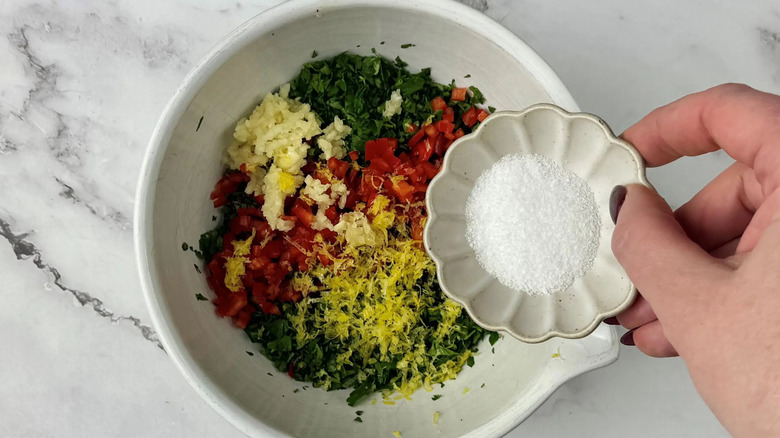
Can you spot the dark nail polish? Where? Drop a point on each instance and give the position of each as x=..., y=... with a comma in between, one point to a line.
x=628, y=339
x=611, y=321
x=616, y=200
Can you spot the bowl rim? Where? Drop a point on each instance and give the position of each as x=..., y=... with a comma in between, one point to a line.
x=262, y=23
x=432, y=216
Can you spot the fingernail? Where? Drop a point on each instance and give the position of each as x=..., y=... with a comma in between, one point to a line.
x=616, y=200
x=628, y=338
x=611, y=321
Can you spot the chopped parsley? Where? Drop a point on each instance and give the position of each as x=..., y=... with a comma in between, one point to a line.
x=200, y=297
x=436, y=397
x=355, y=88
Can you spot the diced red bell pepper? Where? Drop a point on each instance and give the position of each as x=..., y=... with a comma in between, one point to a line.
x=332, y=214
x=458, y=94
x=381, y=147
x=338, y=167
x=354, y=155
x=422, y=151
x=431, y=131
x=441, y=145
x=402, y=190
x=416, y=138
x=273, y=249
x=438, y=104
x=353, y=197
x=470, y=117
x=481, y=115
x=230, y=304
x=411, y=127
x=237, y=177
x=444, y=126
x=430, y=169
x=448, y=115
x=380, y=165
x=459, y=133
x=243, y=317
x=323, y=258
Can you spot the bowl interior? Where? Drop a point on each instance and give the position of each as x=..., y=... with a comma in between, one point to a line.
x=186, y=160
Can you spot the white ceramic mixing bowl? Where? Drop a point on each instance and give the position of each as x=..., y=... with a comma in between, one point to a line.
x=184, y=161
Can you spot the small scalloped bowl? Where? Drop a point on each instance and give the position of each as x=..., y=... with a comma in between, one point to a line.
x=584, y=144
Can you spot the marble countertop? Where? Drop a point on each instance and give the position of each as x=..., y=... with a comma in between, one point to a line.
x=81, y=86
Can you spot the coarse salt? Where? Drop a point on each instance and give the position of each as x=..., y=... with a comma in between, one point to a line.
x=533, y=224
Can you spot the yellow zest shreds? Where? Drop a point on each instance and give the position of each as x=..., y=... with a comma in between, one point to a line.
x=465, y=390
x=436, y=416
x=235, y=265
x=373, y=304
x=396, y=434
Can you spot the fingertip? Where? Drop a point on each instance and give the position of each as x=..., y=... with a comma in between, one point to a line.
x=651, y=340
x=616, y=199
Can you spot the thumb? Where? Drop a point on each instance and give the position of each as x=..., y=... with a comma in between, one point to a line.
x=670, y=270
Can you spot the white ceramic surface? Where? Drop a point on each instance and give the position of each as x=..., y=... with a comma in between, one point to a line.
x=184, y=161
x=581, y=143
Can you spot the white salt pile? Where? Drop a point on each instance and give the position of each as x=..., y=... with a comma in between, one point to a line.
x=533, y=224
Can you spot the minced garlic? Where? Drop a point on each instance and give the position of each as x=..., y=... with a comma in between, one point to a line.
x=273, y=138
x=393, y=105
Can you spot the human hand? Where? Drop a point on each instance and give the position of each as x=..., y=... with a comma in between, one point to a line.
x=709, y=273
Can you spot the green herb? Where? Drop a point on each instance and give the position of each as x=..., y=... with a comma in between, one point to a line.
x=314, y=54
x=492, y=109
x=184, y=246
x=493, y=338
x=200, y=297
x=250, y=353
x=197, y=269
x=358, y=419
x=470, y=361
x=295, y=391
x=359, y=412
x=406, y=46
x=436, y=397
x=482, y=386
x=355, y=88
x=467, y=76
x=317, y=360
x=199, y=122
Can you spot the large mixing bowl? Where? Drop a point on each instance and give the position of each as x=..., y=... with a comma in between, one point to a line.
x=184, y=160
